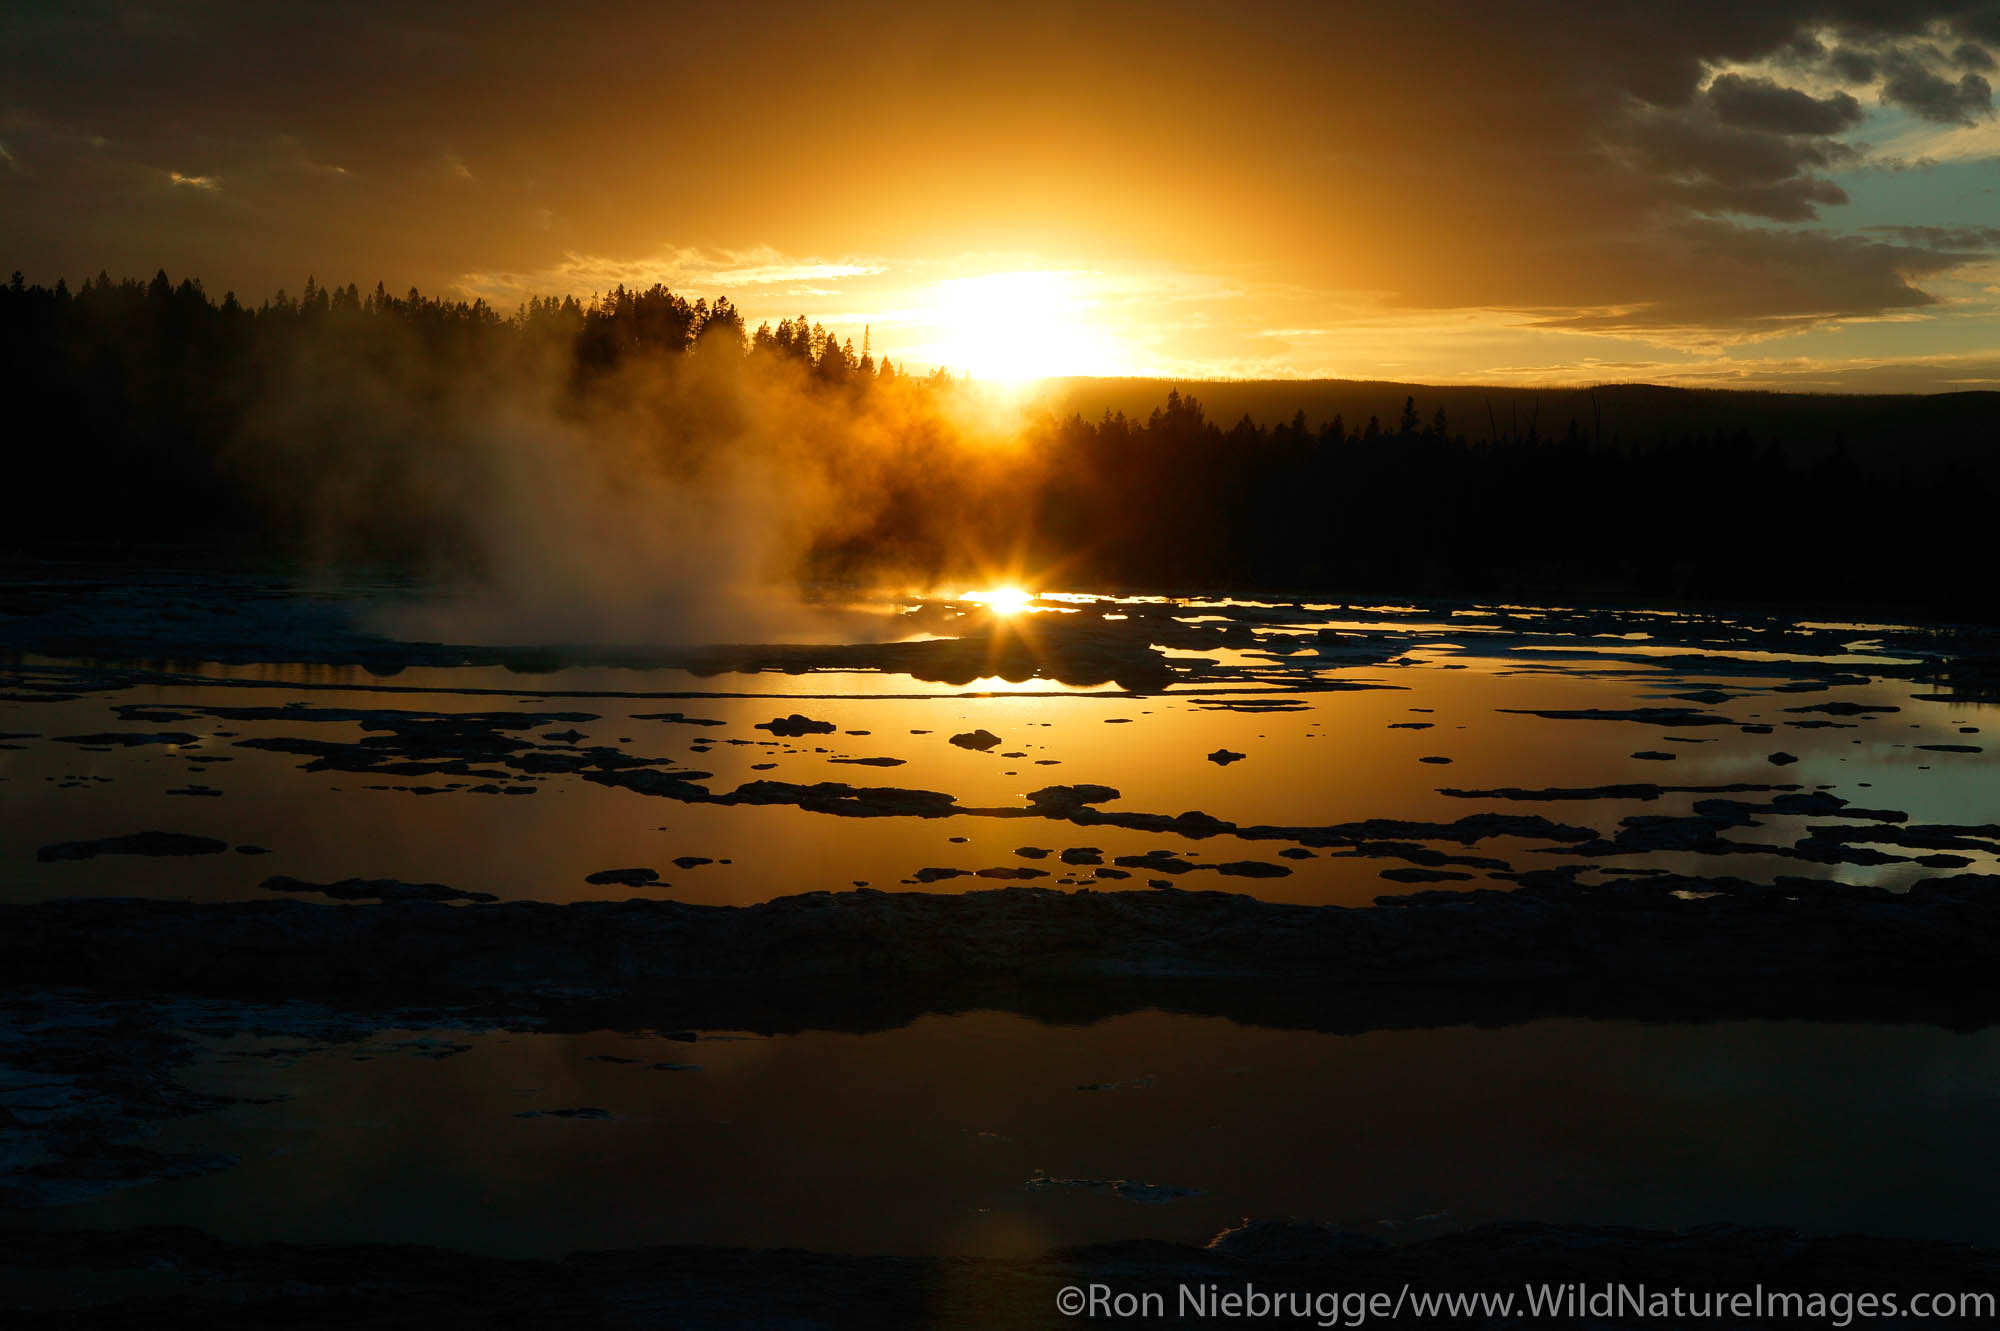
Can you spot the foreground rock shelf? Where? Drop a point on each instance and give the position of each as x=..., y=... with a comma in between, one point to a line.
x=172, y=1277
x=1671, y=946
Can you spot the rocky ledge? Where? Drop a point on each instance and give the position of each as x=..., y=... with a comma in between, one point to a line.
x=1718, y=944
x=177, y=1277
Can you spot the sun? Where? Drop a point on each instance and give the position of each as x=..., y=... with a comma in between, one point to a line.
x=1016, y=327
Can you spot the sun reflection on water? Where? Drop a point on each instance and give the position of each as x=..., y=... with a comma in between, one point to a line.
x=1007, y=600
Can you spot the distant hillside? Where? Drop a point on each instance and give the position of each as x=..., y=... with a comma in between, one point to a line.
x=1953, y=424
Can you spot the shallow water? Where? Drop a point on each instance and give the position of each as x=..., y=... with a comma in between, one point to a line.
x=1298, y=751
x=993, y=1133
x=1323, y=701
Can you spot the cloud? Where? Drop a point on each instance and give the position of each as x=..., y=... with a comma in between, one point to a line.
x=1971, y=241
x=768, y=274
x=1761, y=104
x=1934, y=374
x=1936, y=98
x=681, y=267
x=1731, y=284
x=1852, y=65
x=1593, y=159
x=1712, y=167
x=1969, y=55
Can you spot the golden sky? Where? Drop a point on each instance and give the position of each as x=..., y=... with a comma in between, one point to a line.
x=1795, y=194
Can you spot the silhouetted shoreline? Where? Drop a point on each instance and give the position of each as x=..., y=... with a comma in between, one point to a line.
x=149, y=418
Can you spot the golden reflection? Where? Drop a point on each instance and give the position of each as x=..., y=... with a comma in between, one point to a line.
x=1004, y=601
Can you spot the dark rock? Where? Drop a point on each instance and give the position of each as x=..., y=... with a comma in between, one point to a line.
x=831, y=797
x=1061, y=801
x=1626, y=791
x=128, y=739
x=138, y=843
x=375, y=889
x=1155, y=861
x=640, y=877
x=1416, y=875
x=1252, y=869
x=145, y=714
x=794, y=725
x=1652, y=716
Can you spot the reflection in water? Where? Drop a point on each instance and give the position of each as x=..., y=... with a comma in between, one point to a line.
x=1343, y=715
x=1002, y=600
x=986, y=1132
x=1303, y=752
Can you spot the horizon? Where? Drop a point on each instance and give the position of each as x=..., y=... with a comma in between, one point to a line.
x=1018, y=388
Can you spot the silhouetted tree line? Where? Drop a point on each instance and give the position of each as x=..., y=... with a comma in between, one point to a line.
x=128, y=404
x=1414, y=506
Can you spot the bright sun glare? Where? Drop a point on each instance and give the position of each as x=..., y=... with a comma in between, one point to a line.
x=1002, y=600
x=1012, y=327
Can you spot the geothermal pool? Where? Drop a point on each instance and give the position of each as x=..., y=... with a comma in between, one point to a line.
x=219, y=739
x=1352, y=750
x=992, y=1133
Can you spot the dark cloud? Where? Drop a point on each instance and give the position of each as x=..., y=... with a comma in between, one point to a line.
x=1917, y=88
x=1710, y=166
x=1972, y=241
x=1754, y=279
x=1804, y=49
x=1854, y=66
x=1686, y=146
x=1971, y=56
x=1785, y=201
x=1757, y=103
